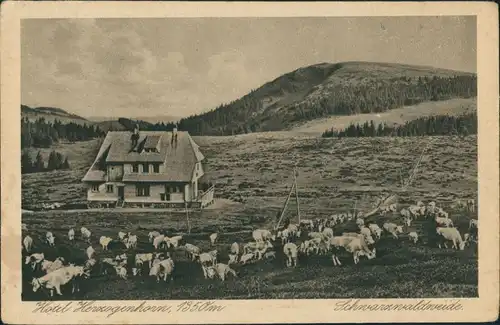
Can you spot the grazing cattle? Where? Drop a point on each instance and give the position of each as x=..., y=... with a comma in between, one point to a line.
x=210, y=257
x=441, y=213
x=284, y=235
x=245, y=258
x=34, y=259
x=413, y=236
x=262, y=235
x=306, y=223
x=213, y=238
x=443, y=222
x=152, y=235
x=367, y=234
x=360, y=222
x=121, y=257
x=327, y=232
x=104, y=242
x=54, y=280
x=121, y=272
x=131, y=242
x=375, y=229
x=405, y=213
x=28, y=243
x=162, y=269
x=90, y=251
x=293, y=229
x=450, y=234
x=357, y=247
x=393, y=229
x=416, y=211
x=316, y=235
x=85, y=234
x=140, y=259
x=420, y=204
x=192, y=251
x=122, y=235
x=172, y=241
x=71, y=234
x=50, y=239
x=291, y=253
x=48, y=266
x=158, y=241
x=351, y=234
x=222, y=270
x=258, y=248
x=235, y=248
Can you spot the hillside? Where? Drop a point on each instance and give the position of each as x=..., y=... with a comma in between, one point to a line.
x=50, y=114
x=326, y=89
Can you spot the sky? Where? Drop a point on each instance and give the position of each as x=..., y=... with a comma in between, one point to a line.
x=182, y=66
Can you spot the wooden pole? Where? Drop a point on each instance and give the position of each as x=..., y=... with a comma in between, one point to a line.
x=284, y=206
x=296, y=193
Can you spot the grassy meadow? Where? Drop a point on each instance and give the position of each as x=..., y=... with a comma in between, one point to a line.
x=253, y=174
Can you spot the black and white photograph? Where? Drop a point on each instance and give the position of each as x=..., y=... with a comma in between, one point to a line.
x=251, y=158
x=235, y=158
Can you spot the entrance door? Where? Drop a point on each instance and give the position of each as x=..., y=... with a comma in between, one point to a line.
x=121, y=193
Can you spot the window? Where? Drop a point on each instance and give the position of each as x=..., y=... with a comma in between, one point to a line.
x=109, y=188
x=95, y=188
x=145, y=168
x=135, y=168
x=156, y=168
x=142, y=190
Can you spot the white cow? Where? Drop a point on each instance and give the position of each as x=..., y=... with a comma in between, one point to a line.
x=90, y=252
x=245, y=258
x=375, y=229
x=367, y=234
x=327, y=232
x=54, y=280
x=213, y=238
x=413, y=236
x=405, y=213
x=235, y=248
x=393, y=229
x=163, y=269
x=261, y=235
x=291, y=252
x=192, y=251
x=122, y=235
x=307, y=223
x=451, y=234
x=48, y=266
x=152, y=235
x=222, y=270
x=104, y=242
x=358, y=247
x=360, y=222
x=28, y=243
x=338, y=242
x=257, y=248
x=131, y=242
x=407, y=221
x=50, y=239
x=71, y=234
x=473, y=223
x=158, y=241
x=85, y=234
x=140, y=259
x=443, y=221
x=121, y=271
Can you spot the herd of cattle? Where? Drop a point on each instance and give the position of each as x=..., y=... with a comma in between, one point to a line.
x=309, y=238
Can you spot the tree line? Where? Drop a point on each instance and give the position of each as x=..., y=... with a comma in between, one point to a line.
x=42, y=133
x=245, y=114
x=56, y=161
x=429, y=125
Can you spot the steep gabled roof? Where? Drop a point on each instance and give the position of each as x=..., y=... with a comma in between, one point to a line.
x=180, y=157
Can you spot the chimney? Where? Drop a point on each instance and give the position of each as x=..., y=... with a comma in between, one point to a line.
x=135, y=136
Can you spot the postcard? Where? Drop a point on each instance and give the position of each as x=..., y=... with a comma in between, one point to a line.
x=251, y=162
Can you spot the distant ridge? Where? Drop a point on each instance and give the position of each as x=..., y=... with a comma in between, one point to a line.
x=51, y=114
x=331, y=89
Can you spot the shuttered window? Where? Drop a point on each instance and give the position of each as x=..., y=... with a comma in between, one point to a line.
x=142, y=190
